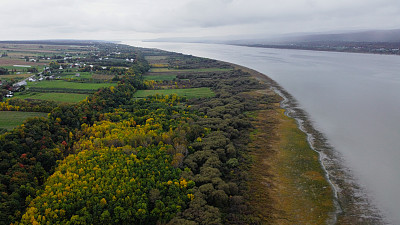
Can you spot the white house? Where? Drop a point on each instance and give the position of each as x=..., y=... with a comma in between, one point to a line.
x=21, y=83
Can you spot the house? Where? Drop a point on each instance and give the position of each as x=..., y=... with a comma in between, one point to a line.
x=60, y=68
x=10, y=94
x=19, y=84
x=77, y=74
x=31, y=79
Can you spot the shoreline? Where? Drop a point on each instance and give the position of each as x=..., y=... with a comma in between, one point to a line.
x=351, y=202
x=315, y=50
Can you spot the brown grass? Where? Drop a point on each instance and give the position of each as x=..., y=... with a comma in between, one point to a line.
x=287, y=184
x=13, y=76
x=12, y=61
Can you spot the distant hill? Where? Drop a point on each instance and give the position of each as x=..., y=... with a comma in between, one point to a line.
x=365, y=36
x=351, y=36
x=360, y=36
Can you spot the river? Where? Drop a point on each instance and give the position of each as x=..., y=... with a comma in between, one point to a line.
x=353, y=99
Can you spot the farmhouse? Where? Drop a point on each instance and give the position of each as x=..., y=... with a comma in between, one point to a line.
x=10, y=94
x=19, y=84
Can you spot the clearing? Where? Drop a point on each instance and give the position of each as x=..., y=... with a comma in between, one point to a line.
x=58, y=97
x=189, y=92
x=159, y=77
x=68, y=85
x=12, y=119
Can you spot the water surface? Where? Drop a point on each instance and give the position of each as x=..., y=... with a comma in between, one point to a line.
x=354, y=99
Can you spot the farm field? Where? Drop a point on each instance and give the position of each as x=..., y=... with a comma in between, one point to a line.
x=68, y=85
x=104, y=76
x=159, y=77
x=82, y=75
x=189, y=93
x=12, y=119
x=7, y=61
x=58, y=97
x=15, y=76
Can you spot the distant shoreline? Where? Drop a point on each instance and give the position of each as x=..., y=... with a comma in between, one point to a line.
x=353, y=49
x=376, y=48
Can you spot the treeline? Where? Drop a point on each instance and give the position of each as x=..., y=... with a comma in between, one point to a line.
x=3, y=71
x=181, y=61
x=217, y=163
x=31, y=105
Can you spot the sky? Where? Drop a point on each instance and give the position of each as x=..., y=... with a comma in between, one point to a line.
x=148, y=19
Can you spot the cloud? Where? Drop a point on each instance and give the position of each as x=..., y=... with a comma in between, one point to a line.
x=26, y=19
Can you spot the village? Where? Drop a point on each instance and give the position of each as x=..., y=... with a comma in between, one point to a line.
x=64, y=66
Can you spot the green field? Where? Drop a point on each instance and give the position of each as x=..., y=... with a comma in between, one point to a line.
x=159, y=77
x=18, y=68
x=68, y=85
x=58, y=97
x=11, y=119
x=22, y=68
x=83, y=75
x=189, y=93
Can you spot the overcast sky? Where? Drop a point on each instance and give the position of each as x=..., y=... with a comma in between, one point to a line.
x=143, y=19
